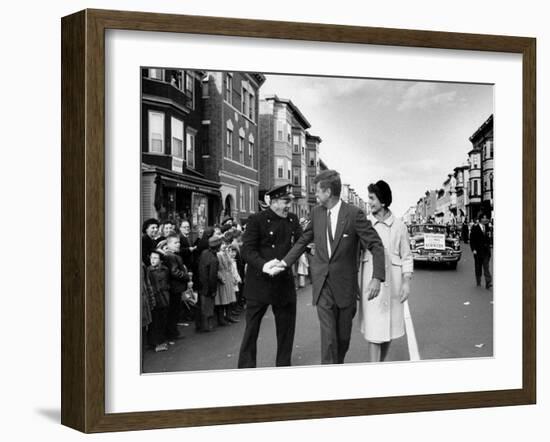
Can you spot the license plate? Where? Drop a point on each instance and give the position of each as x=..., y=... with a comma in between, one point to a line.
x=435, y=258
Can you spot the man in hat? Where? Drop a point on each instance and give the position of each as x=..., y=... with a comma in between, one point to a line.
x=269, y=235
x=228, y=220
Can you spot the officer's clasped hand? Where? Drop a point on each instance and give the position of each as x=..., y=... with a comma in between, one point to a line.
x=274, y=267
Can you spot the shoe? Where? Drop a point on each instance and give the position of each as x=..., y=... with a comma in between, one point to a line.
x=232, y=320
x=171, y=342
x=489, y=286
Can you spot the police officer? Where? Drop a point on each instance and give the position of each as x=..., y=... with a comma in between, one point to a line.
x=269, y=235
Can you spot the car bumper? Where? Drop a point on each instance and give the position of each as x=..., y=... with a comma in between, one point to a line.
x=435, y=257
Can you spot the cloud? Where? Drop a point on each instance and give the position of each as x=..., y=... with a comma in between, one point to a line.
x=425, y=96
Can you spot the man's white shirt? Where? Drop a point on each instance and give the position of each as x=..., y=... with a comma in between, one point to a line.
x=333, y=222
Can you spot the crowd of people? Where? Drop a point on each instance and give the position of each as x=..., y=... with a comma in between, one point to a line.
x=185, y=281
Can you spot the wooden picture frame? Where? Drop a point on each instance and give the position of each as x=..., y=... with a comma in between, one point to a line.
x=83, y=219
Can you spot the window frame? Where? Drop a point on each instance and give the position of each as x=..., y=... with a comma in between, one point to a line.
x=149, y=135
x=172, y=137
x=191, y=133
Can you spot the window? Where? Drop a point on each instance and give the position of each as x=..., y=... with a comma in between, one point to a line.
x=241, y=150
x=312, y=188
x=304, y=185
x=280, y=131
x=296, y=173
x=251, y=199
x=228, y=87
x=157, y=74
x=251, y=153
x=287, y=170
x=205, y=87
x=156, y=132
x=176, y=79
x=252, y=107
x=241, y=197
x=280, y=168
x=229, y=143
x=245, y=98
x=296, y=143
x=190, y=89
x=177, y=138
x=475, y=188
x=190, y=147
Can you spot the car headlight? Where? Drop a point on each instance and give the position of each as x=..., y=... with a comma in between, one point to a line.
x=413, y=242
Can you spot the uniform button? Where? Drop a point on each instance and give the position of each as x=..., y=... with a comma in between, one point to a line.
x=273, y=246
x=271, y=233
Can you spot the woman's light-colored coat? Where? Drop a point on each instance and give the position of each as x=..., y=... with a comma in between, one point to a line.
x=382, y=318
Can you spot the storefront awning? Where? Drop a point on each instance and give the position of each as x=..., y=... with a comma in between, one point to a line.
x=190, y=185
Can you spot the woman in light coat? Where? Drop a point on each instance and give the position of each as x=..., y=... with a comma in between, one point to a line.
x=382, y=318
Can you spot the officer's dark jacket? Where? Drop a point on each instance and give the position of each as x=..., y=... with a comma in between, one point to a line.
x=268, y=236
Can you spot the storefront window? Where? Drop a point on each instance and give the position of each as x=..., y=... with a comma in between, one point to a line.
x=199, y=211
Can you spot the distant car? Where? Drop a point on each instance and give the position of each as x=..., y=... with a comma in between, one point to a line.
x=431, y=243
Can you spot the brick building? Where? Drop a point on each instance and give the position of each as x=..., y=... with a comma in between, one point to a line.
x=231, y=132
x=482, y=142
x=173, y=180
x=313, y=167
x=283, y=149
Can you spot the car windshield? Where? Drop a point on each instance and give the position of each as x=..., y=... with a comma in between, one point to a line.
x=428, y=228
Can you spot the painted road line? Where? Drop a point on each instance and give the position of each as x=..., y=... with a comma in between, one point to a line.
x=411, y=336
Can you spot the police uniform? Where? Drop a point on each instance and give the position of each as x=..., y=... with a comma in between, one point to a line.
x=269, y=236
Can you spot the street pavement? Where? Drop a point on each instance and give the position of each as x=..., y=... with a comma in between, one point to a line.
x=449, y=318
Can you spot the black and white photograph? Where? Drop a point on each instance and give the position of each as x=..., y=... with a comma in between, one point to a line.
x=302, y=220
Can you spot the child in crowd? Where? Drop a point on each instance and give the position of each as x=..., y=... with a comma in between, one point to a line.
x=208, y=277
x=236, y=277
x=159, y=276
x=147, y=303
x=179, y=279
x=226, y=290
x=237, y=244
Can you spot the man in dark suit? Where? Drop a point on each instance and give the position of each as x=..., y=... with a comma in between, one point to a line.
x=338, y=230
x=480, y=243
x=269, y=235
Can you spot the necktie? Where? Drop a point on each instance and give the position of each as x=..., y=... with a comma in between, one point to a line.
x=329, y=227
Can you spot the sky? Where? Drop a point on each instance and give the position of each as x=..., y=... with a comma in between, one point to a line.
x=410, y=134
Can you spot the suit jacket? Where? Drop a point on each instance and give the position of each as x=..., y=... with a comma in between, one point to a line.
x=268, y=236
x=340, y=270
x=479, y=241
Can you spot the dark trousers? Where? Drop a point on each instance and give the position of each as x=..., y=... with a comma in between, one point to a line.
x=157, y=329
x=335, y=325
x=482, y=266
x=174, y=309
x=285, y=325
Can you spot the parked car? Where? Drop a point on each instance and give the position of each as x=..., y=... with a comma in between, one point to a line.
x=432, y=243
